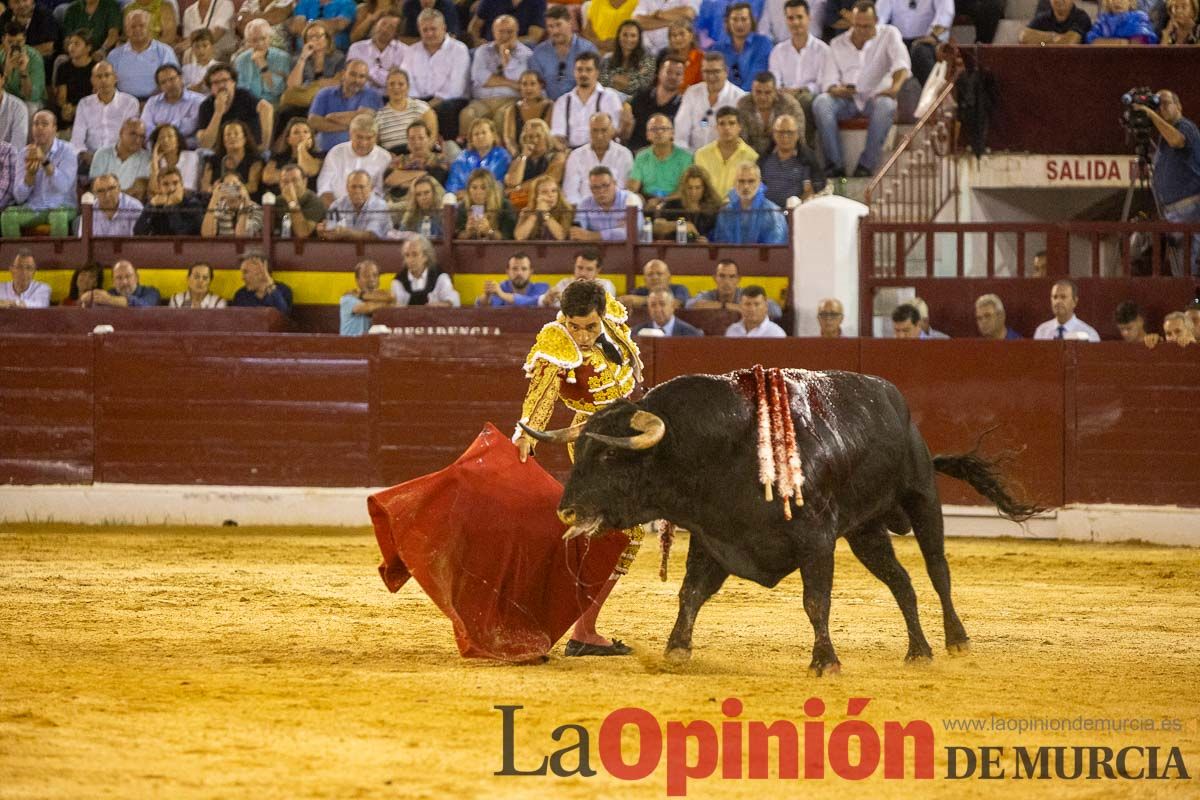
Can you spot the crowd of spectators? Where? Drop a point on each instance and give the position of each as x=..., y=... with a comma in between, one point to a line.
x=1118, y=22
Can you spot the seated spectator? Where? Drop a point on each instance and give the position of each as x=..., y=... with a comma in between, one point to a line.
x=115, y=212
x=1182, y=26
x=99, y=19
x=259, y=288
x=602, y=21
x=73, y=78
x=540, y=155
x=361, y=152
x=1063, y=23
x=421, y=161
x=485, y=153
x=681, y=45
x=335, y=107
x=262, y=69
x=23, y=68
x=585, y=267
x=129, y=160
x=1130, y=322
x=792, y=170
x=230, y=210
x=747, y=53
x=530, y=105
x=496, y=70
x=754, y=323
x=1177, y=329
x=14, y=120
x=728, y=294
x=657, y=169
x=656, y=17
x=695, y=124
x=338, y=16
x=359, y=214
x=1064, y=296
x=278, y=13
x=662, y=98
x=601, y=150
x=990, y=319
x=166, y=153
x=198, y=295
x=906, y=322
x=226, y=102
x=1121, y=22
x=411, y=12
x=37, y=22
x=301, y=205
x=601, y=215
x=440, y=68
x=127, y=290
x=400, y=112
x=296, y=146
x=530, y=17
x=797, y=64
x=758, y=111
x=421, y=283
x=200, y=57
x=843, y=98
x=926, y=328
x=370, y=12
x=1040, y=265
x=629, y=68
x=657, y=275
x=173, y=105
x=423, y=214
x=829, y=318
x=137, y=61
x=554, y=59
x=317, y=67
x=710, y=21
x=99, y=116
x=721, y=158
x=695, y=201
x=382, y=52
x=547, y=215
x=572, y=115
x=45, y=186
x=8, y=172
x=161, y=19
x=236, y=154
x=660, y=304
x=922, y=26
x=83, y=280
x=520, y=290
x=172, y=210
x=749, y=217
x=356, y=308
x=216, y=17
x=23, y=291
x=483, y=213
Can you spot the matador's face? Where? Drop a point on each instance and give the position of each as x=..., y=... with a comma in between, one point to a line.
x=585, y=330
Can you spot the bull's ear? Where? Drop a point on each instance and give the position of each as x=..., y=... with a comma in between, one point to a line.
x=652, y=431
x=559, y=436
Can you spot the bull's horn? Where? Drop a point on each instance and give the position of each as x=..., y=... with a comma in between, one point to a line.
x=652, y=430
x=560, y=436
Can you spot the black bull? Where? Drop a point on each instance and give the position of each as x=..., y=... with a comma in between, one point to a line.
x=692, y=460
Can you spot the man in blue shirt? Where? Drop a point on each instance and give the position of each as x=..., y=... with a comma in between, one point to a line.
x=137, y=61
x=335, y=106
x=601, y=215
x=261, y=290
x=554, y=59
x=127, y=290
x=661, y=307
x=337, y=14
x=749, y=217
x=519, y=290
x=356, y=308
x=45, y=188
x=1177, y=167
x=746, y=53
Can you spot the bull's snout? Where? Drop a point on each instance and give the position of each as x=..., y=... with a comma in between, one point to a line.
x=566, y=516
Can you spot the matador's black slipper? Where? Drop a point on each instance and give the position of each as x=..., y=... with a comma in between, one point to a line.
x=578, y=648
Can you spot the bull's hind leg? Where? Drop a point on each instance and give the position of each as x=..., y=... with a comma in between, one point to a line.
x=701, y=581
x=924, y=509
x=816, y=569
x=873, y=547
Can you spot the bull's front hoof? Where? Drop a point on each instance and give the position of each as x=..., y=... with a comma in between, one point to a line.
x=678, y=655
x=919, y=654
x=958, y=648
x=825, y=670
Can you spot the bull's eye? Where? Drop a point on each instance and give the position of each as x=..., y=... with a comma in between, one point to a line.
x=608, y=454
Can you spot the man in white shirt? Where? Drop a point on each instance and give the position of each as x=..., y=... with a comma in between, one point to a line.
x=496, y=74
x=923, y=24
x=99, y=116
x=23, y=291
x=867, y=66
x=754, y=323
x=602, y=150
x=1064, y=296
x=382, y=52
x=573, y=111
x=585, y=267
x=798, y=62
x=115, y=213
x=420, y=282
x=696, y=122
x=656, y=16
x=439, y=69
x=14, y=120
x=360, y=153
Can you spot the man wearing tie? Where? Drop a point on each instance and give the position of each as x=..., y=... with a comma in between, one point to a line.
x=1065, y=325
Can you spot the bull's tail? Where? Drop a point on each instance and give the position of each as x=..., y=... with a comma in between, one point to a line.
x=985, y=478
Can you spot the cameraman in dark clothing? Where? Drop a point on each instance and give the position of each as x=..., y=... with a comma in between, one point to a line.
x=1177, y=166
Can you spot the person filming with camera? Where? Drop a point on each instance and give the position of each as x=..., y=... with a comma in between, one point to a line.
x=1176, y=178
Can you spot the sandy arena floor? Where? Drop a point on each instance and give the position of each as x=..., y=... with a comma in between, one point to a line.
x=231, y=663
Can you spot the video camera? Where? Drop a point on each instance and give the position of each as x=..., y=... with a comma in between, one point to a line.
x=1136, y=120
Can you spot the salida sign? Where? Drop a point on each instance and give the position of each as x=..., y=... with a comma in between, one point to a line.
x=1089, y=170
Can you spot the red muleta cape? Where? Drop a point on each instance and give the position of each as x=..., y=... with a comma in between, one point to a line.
x=483, y=539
